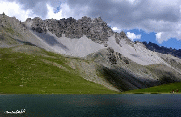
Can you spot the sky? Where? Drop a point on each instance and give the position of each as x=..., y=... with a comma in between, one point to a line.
x=157, y=21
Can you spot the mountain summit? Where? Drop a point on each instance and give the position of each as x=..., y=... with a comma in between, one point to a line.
x=114, y=61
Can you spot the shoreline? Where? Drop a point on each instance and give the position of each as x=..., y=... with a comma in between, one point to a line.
x=150, y=93
x=94, y=94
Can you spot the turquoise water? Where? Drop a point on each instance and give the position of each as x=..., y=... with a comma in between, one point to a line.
x=123, y=105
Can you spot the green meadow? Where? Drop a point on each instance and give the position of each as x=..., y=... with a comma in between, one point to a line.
x=165, y=88
x=36, y=71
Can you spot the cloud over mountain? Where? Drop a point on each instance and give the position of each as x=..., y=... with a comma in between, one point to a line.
x=161, y=17
x=133, y=36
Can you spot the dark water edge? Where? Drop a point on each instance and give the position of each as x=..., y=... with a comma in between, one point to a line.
x=116, y=105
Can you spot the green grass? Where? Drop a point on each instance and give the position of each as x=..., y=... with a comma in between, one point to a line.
x=165, y=88
x=23, y=73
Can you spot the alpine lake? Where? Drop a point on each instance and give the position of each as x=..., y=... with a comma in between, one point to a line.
x=74, y=105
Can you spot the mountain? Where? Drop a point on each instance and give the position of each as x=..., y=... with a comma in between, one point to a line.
x=93, y=50
x=163, y=50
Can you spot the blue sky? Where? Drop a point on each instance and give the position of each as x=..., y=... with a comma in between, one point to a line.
x=57, y=9
x=157, y=21
x=150, y=37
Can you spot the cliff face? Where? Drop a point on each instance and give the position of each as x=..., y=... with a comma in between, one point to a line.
x=95, y=29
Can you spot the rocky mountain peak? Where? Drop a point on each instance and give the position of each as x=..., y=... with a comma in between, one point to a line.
x=123, y=34
x=95, y=29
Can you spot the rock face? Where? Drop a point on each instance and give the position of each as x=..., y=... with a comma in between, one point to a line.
x=111, y=56
x=95, y=29
x=122, y=35
x=38, y=25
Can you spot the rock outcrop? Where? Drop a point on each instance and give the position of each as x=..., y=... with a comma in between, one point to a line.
x=111, y=56
x=95, y=29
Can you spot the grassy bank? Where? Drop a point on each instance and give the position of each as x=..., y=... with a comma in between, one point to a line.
x=162, y=89
x=36, y=71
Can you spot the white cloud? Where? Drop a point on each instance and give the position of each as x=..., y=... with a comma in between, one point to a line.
x=116, y=29
x=171, y=30
x=165, y=36
x=51, y=14
x=150, y=15
x=130, y=1
x=14, y=9
x=158, y=37
x=65, y=12
x=133, y=1
x=133, y=36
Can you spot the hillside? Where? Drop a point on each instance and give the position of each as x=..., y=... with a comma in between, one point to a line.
x=30, y=70
x=77, y=56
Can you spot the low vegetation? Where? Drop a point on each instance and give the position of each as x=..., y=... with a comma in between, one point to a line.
x=25, y=73
x=165, y=88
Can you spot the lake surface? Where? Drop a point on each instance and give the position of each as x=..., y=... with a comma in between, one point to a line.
x=121, y=105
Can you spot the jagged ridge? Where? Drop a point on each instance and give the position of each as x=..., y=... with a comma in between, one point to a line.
x=164, y=50
x=95, y=29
